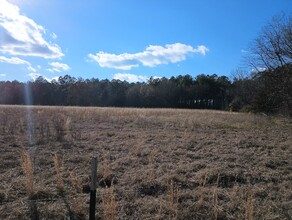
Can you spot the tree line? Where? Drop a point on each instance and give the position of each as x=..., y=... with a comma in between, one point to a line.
x=267, y=89
x=204, y=91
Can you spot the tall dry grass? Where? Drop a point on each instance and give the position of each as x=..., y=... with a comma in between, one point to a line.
x=58, y=170
x=106, y=170
x=76, y=188
x=172, y=197
x=109, y=204
x=27, y=168
x=202, y=190
x=215, y=199
x=151, y=168
x=75, y=183
x=249, y=205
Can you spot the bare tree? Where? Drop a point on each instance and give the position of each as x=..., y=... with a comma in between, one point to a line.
x=273, y=47
x=271, y=59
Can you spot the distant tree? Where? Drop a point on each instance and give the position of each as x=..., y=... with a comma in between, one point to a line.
x=65, y=84
x=104, y=92
x=243, y=90
x=224, y=92
x=134, y=96
x=11, y=92
x=42, y=93
x=152, y=94
x=117, y=93
x=274, y=92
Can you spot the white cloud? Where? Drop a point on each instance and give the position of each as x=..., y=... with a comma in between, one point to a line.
x=17, y=61
x=201, y=49
x=58, y=67
x=130, y=77
x=13, y=60
x=20, y=35
x=153, y=55
x=34, y=76
x=55, y=78
x=2, y=74
x=258, y=69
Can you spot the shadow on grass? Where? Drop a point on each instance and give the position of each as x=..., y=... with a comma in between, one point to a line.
x=34, y=213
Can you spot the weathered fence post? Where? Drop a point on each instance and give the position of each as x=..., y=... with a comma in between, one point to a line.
x=93, y=189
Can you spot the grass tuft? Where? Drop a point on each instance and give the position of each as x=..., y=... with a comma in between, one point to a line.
x=203, y=181
x=109, y=204
x=75, y=183
x=106, y=170
x=249, y=206
x=215, y=199
x=172, y=196
x=28, y=171
x=59, y=180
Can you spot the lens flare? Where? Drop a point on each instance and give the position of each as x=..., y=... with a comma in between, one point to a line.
x=28, y=112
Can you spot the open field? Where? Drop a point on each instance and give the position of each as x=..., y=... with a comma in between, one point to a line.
x=152, y=164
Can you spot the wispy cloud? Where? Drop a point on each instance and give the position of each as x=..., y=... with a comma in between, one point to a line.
x=129, y=77
x=20, y=35
x=17, y=61
x=58, y=67
x=54, y=36
x=152, y=56
x=2, y=74
x=31, y=69
x=13, y=60
x=244, y=51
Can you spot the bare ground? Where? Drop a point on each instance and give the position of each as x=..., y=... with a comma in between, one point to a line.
x=152, y=163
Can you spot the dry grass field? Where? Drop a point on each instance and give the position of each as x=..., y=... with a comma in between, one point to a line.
x=152, y=164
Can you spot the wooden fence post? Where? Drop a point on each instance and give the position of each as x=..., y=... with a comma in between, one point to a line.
x=93, y=189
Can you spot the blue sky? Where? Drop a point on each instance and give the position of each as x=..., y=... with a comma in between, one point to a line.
x=128, y=39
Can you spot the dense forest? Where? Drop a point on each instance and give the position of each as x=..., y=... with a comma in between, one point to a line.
x=268, y=88
x=268, y=91
x=204, y=91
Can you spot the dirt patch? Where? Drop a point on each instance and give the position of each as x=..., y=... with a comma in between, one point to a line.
x=108, y=181
x=151, y=189
x=226, y=180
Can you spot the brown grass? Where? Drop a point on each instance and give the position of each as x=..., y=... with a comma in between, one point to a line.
x=163, y=163
x=75, y=183
x=202, y=190
x=28, y=172
x=109, y=205
x=58, y=170
x=249, y=206
x=172, y=196
x=151, y=168
x=215, y=203
x=106, y=171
